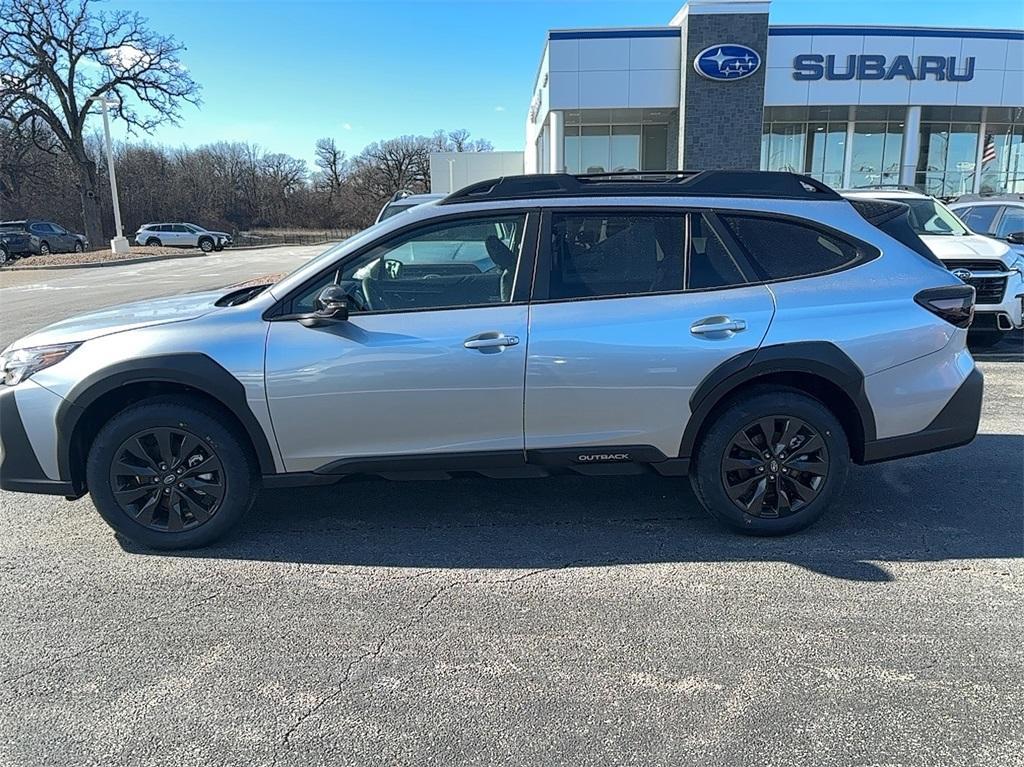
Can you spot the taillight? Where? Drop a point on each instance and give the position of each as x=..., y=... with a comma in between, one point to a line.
x=954, y=304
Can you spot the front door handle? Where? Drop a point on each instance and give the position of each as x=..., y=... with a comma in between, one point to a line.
x=490, y=341
x=717, y=325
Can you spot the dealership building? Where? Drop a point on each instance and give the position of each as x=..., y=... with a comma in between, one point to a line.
x=722, y=87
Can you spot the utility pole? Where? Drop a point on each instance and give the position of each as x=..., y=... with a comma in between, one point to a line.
x=119, y=244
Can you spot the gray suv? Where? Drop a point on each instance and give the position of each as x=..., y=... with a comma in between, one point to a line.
x=754, y=331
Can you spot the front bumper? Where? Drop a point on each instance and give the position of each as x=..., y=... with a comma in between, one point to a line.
x=20, y=470
x=1010, y=308
x=955, y=425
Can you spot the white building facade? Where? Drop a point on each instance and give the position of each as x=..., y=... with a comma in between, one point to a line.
x=940, y=109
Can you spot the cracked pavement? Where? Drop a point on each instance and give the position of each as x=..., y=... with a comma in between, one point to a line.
x=565, y=621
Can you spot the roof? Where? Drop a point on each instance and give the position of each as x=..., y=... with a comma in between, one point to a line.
x=987, y=199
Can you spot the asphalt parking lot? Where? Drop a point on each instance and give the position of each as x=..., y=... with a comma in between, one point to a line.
x=564, y=621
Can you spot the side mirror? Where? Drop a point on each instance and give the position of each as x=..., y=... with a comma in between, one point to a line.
x=331, y=306
x=1015, y=238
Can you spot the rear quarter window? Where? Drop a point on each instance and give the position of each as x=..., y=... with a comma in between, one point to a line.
x=781, y=248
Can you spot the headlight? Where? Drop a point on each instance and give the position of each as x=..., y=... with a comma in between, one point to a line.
x=19, y=364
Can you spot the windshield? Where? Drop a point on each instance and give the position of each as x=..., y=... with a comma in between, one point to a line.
x=396, y=207
x=931, y=217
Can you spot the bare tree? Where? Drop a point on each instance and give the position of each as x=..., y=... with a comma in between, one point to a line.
x=332, y=164
x=57, y=55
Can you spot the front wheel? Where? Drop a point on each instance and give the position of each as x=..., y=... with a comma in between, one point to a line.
x=168, y=473
x=206, y=245
x=771, y=462
x=4, y=256
x=78, y=247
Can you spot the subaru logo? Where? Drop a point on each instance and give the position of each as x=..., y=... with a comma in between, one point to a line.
x=963, y=274
x=727, y=61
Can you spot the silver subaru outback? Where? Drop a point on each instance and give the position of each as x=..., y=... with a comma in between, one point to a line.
x=754, y=331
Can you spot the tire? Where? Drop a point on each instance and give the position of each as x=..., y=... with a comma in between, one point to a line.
x=183, y=511
x=4, y=256
x=985, y=339
x=205, y=244
x=153, y=242
x=78, y=247
x=778, y=408
x=218, y=248
x=44, y=248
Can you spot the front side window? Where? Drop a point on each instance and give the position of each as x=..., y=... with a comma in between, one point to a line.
x=439, y=266
x=782, y=248
x=980, y=218
x=1011, y=222
x=599, y=254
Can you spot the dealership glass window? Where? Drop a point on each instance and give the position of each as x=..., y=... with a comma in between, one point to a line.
x=1002, y=168
x=805, y=140
x=949, y=150
x=601, y=140
x=877, y=145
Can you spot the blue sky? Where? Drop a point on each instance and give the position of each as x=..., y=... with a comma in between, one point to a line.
x=282, y=74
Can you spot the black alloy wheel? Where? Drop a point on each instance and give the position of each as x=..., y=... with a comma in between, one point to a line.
x=168, y=479
x=775, y=466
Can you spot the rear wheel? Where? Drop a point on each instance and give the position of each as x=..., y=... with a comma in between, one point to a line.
x=169, y=474
x=44, y=248
x=152, y=242
x=771, y=462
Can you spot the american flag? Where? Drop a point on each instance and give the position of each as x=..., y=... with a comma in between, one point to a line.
x=988, y=154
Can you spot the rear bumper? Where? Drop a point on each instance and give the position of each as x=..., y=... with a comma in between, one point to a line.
x=955, y=425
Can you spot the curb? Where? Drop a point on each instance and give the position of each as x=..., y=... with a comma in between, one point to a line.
x=98, y=264
x=149, y=259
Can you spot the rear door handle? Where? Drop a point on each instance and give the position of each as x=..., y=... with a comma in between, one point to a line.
x=717, y=325
x=490, y=341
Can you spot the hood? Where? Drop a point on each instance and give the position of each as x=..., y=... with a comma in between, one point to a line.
x=117, y=319
x=967, y=247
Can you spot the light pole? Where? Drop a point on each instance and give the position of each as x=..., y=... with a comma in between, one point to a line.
x=119, y=244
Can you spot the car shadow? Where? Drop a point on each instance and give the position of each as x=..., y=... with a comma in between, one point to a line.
x=960, y=504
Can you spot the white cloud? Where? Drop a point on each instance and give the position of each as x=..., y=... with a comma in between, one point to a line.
x=127, y=57
x=499, y=108
x=346, y=126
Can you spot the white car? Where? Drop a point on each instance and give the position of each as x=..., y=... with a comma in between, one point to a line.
x=403, y=201
x=1000, y=216
x=990, y=265
x=182, y=235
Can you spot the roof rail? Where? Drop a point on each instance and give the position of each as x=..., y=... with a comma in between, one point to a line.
x=668, y=183
x=899, y=187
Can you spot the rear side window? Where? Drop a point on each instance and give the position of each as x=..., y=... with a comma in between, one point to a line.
x=597, y=254
x=781, y=248
x=711, y=264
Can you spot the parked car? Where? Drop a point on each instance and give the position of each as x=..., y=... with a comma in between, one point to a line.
x=403, y=201
x=1000, y=216
x=29, y=237
x=755, y=331
x=995, y=271
x=182, y=235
